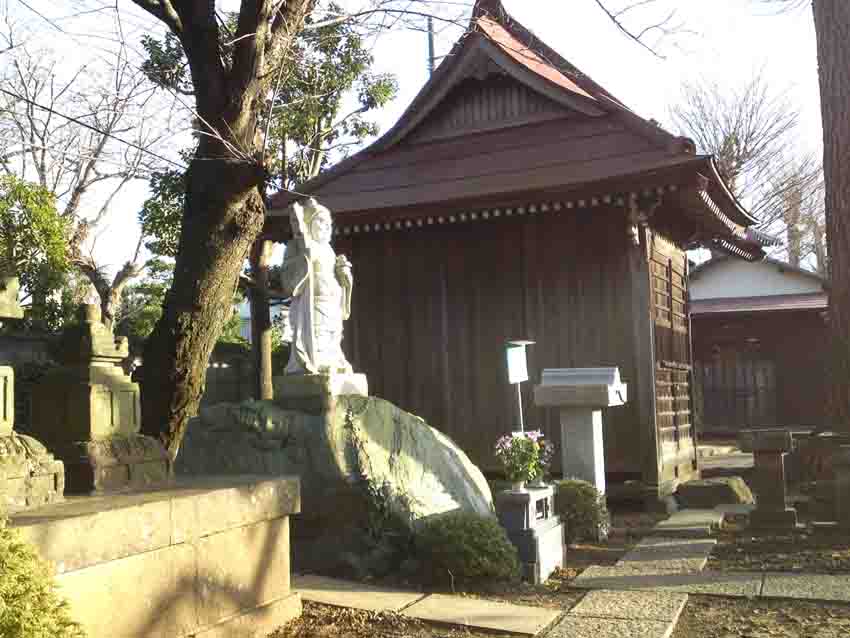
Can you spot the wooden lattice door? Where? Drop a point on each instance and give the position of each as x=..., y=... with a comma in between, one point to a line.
x=673, y=373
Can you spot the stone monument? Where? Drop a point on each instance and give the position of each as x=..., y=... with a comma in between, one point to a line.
x=88, y=412
x=580, y=394
x=529, y=519
x=771, y=448
x=320, y=283
x=29, y=475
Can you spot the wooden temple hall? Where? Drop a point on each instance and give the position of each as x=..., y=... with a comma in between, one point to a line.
x=518, y=199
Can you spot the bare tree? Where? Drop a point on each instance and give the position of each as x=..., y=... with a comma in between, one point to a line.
x=832, y=25
x=63, y=134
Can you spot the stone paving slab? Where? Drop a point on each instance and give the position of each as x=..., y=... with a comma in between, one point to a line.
x=631, y=605
x=483, y=614
x=669, y=554
x=342, y=593
x=583, y=627
x=734, y=584
x=807, y=586
x=690, y=523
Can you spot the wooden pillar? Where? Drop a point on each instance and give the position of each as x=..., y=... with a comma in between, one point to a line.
x=644, y=348
x=261, y=325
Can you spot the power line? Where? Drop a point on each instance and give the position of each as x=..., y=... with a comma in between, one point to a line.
x=88, y=126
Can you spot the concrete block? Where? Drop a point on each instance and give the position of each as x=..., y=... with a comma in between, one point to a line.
x=76, y=535
x=242, y=568
x=199, y=511
x=709, y=493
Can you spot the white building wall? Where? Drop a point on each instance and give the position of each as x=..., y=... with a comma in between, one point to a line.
x=738, y=278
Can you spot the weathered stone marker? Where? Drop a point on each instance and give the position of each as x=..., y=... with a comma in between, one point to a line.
x=771, y=448
x=581, y=393
x=841, y=464
x=29, y=475
x=87, y=412
x=533, y=527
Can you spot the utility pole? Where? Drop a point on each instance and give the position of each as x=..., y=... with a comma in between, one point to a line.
x=431, y=58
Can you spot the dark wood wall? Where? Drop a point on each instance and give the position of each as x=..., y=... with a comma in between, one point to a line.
x=761, y=370
x=433, y=308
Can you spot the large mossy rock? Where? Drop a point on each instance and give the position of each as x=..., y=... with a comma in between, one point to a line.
x=360, y=451
x=709, y=493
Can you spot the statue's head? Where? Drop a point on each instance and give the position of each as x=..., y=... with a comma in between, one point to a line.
x=317, y=220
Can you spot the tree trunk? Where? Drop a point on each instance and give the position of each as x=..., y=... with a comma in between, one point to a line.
x=832, y=27
x=261, y=324
x=222, y=218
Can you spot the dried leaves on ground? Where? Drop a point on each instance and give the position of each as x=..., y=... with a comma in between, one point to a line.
x=713, y=617
x=323, y=621
x=817, y=552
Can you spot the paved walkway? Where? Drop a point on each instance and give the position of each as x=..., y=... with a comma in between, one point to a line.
x=437, y=608
x=641, y=596
x=600, y=614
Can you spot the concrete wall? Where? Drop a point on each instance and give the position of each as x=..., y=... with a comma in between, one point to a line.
x=209, y=558
x=729, y=278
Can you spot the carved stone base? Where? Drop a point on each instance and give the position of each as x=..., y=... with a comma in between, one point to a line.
x=29, y=475
x=315, y=393
x=117, y=463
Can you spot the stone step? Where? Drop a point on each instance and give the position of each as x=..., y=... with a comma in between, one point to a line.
x=660, y=554
x=343, y=593
x=690, y=523
x=472, y=613
x=622, y=614
x=486, y=615
x=619, y=577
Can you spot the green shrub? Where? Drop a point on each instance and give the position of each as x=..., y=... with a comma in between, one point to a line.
x=29, y=608
x=582, y=510
x=465, y=548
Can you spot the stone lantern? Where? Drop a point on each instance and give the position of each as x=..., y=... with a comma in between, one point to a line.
x=29, y=475
x=88, y=413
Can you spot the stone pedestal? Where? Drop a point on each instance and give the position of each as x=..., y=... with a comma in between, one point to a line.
x=582, y=452
x=581, y=393
x=532, y=526
x=841, y=464
x=208, y=558
x=315, y=393
x=88, y=413
x=771, y=448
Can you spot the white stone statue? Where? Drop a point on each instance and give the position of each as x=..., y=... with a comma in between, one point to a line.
x=319, y=282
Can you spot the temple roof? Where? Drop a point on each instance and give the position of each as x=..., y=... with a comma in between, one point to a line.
x=499, y=87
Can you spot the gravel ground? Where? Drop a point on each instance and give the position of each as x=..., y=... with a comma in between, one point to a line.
x=712, y=617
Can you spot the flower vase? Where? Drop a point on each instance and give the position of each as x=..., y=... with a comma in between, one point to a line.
x=518, y=486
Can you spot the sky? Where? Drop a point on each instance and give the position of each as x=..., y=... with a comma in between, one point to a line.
x=722, y=41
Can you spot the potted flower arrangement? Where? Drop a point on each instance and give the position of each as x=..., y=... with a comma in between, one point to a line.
x=544, y=457
x=520, y=454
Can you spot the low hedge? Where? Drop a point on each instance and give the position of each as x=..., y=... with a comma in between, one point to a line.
x=465, y=548
x=29, y=607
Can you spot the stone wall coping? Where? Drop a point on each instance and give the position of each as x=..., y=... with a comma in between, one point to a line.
x=88, y=530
